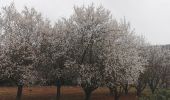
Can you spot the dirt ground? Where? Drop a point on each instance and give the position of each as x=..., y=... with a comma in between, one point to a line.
x=48, y=93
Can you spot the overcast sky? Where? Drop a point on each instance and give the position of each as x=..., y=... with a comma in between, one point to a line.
x=150, y=18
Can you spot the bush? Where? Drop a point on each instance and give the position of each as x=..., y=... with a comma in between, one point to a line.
x=159, y=95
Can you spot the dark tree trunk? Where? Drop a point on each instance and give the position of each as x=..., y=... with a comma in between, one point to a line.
x=139, y=88
x=58, y=84
x=126, y=89
x=19, y=92
x=153, y=83
x=116, y=94
x=88, y=91
x=153, y=90
x=111, y=90
x=88, y=95
x=138, y=93
x=152, y=87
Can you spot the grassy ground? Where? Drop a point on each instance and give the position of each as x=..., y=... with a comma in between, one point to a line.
x=48, y=93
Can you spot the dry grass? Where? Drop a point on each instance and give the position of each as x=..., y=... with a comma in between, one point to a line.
x=48, y=93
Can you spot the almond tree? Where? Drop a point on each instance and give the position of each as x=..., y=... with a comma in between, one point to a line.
x=141, y=82
x=34, y=47
x=51, y=54
x=88, y=27
x=165, y=68
x=123, y=63
x=158, y=60
x=5, y=64
x=18, y=45
x=3, y=58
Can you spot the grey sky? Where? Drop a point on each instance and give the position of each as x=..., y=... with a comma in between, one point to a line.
x=151, y=18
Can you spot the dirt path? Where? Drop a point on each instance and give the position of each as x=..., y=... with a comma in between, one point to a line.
x=48, y=93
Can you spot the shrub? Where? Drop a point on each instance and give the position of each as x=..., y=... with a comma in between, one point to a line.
x=159, y=95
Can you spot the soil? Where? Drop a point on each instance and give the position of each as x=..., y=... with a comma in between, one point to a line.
x=49, y=93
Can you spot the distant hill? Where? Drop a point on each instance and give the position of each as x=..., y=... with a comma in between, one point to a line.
x=167, y=46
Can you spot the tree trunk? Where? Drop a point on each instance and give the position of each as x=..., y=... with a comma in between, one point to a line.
x=88, y=91
x=138, y=93
x=19, y=92
x=58, y=84
x=116, y=94
x=88, y=95
x=140, y=87
x=153, y=90
x=111, y=91
x=126, y=89
x=152, y=87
